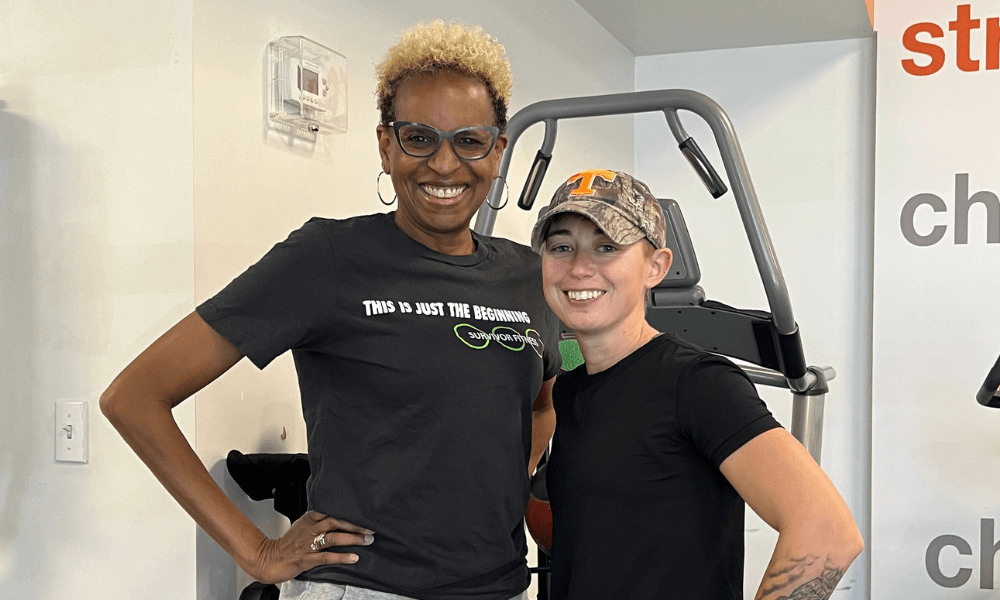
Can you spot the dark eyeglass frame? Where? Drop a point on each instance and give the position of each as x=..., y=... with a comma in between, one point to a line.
x=445, y=135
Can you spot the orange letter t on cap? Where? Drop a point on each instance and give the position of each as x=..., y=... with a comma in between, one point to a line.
x=587, y=179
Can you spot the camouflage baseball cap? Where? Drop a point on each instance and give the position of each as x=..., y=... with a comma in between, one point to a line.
x=619, y=204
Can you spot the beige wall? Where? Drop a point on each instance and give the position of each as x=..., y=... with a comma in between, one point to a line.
x=96, y=259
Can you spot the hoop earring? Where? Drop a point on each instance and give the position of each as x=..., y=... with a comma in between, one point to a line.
x=378, y=190
x=506, y=197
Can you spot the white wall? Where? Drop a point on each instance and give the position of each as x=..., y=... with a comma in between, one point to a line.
x=252, y=188
x=804, y=115
x=96, y=259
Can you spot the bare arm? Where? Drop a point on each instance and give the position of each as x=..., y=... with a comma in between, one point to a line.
x=817, y=536
x=543, y=423
x=139, y=404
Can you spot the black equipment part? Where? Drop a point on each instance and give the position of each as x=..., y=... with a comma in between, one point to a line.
x=988, y=393
x=713, y=326
x=790, y=355
x=692, y=152
x=260, y=591
x=534, y=181
x=264, y=476
x=279, y=476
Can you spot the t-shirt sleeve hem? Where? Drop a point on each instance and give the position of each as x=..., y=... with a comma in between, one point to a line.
x=748, y=432
x=232, y=333
x=555, y=369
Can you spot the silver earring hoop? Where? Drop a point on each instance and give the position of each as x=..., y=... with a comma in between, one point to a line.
x=505, y=198
x=378, y=190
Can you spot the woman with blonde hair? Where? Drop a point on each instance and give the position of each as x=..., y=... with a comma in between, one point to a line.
x=425, y=356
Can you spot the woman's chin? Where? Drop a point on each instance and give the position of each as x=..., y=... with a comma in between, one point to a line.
x=582, y=327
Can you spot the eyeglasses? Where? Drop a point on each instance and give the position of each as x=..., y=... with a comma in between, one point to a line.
x=422, y=141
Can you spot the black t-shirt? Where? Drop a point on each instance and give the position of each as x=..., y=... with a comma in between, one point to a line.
x=417, y=371
x=640, y=508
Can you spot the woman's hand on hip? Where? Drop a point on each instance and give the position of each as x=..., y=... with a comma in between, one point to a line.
x=308, y=544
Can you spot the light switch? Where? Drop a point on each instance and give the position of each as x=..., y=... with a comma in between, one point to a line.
x=71, y=431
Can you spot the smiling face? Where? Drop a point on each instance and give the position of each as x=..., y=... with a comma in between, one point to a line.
x=438, y=195
x=595, y=286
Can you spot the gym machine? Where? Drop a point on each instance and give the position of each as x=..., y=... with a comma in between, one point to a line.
x=768, y=340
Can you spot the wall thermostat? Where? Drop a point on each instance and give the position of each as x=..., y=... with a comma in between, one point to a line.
x=307, y=88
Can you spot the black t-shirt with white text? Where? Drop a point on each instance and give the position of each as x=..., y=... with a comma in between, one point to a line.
x=417, y=371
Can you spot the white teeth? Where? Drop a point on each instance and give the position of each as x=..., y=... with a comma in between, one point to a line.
x=443, y=192
x=584, y=295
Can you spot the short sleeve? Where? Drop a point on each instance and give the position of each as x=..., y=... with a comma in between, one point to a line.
x=279, y=302
x=719, y=408
x=551, y=356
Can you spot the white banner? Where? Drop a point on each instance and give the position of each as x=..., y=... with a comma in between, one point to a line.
x=935, y=451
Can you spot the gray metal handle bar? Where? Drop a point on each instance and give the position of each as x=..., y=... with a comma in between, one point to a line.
x=807, y=406
x=668, y=102
x=771, y=378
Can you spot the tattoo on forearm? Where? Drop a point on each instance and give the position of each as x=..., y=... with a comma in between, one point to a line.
x=819, y=588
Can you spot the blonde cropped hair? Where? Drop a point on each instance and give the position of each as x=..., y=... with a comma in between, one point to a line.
x=435, y=47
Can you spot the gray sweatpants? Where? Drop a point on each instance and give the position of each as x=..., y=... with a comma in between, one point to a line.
x=310, y=590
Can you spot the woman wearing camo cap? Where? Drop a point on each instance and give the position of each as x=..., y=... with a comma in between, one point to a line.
x=659, y=443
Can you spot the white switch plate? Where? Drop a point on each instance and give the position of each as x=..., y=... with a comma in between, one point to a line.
x=71, y=431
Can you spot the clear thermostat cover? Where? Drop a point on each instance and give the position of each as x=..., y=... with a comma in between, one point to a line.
x=307, y=91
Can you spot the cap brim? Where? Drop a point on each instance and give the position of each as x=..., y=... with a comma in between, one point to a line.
x=608, y=219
